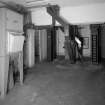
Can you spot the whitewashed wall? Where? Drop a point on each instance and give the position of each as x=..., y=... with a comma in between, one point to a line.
x=41, y=17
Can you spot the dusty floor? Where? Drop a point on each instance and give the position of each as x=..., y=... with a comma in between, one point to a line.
x=60, y=84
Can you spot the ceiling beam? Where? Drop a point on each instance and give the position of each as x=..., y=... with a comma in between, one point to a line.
x=57, y=17
x=15, y=7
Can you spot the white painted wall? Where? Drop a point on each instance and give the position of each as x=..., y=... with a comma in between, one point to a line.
x=41, y=17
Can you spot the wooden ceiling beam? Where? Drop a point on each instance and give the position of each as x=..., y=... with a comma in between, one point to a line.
x=58, y=18
x=15, y=7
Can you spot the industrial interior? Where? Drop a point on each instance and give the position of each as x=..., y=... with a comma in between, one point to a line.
x=52, y=52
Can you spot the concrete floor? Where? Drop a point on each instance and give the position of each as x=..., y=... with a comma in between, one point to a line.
x=60, y=83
